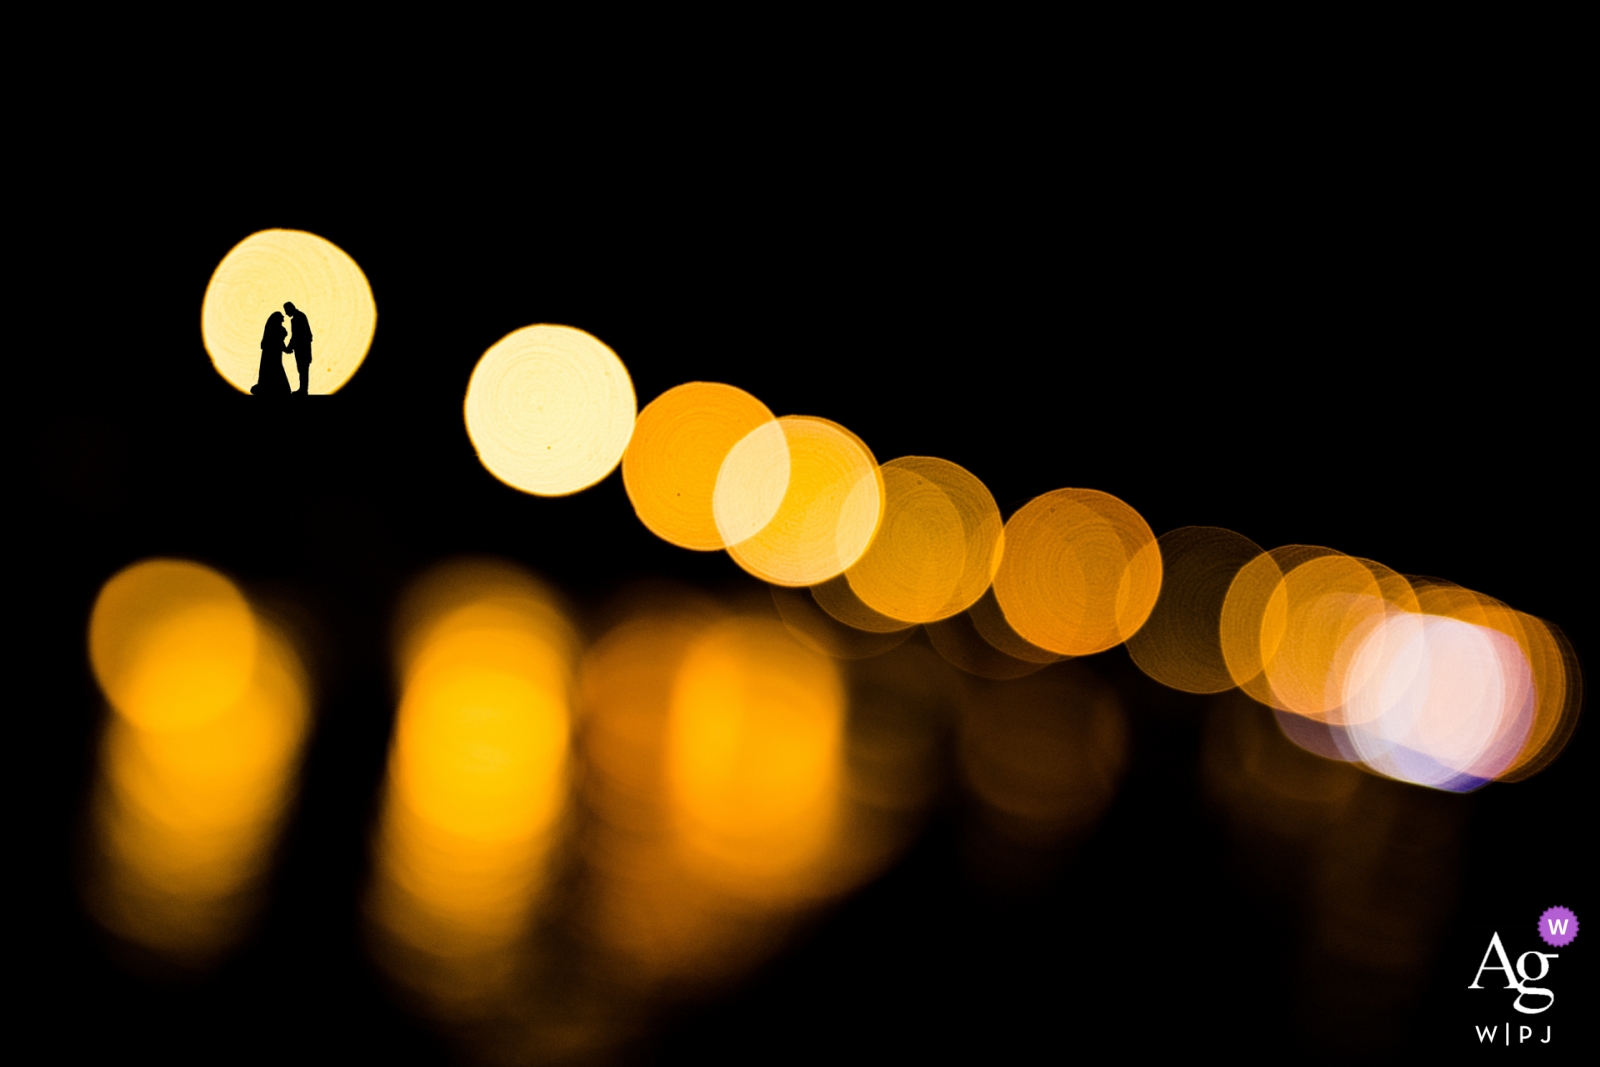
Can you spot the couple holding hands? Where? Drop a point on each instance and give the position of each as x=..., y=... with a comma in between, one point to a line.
x=276, y=340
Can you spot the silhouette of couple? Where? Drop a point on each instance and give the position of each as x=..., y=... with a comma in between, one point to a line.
x=271, y=380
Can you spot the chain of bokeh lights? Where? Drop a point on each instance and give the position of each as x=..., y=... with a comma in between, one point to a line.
x=1415, y=679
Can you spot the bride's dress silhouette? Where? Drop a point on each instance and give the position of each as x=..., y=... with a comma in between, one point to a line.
x=271, y=379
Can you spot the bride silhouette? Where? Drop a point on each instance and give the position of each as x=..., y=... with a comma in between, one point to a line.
x=271, y=379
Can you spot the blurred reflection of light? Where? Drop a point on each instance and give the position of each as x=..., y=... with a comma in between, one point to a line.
x=550, y=410
x=648, y=910
x=1325, y=739
x=754, y=743
x=255, y=279
x=902, y=705
x=730, y=788
x=1370, y=863
x=477, y=779
x=938, y=546
x=678, y=447
x=829, y=510
x=821, y=632
x=197, y=764
x=991, y=624
x=1180, y=645
x=173, y=644
x=836, y=597
x=1266, y=783
x=1044, y=753
x=959, y=643
x=1382, y=878
x=1080, y=572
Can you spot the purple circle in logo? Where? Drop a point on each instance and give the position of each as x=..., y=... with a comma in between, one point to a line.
x=1558, y=926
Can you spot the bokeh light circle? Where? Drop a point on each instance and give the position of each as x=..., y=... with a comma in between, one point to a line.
x=937, y=547
x=1245, y=614
x=1558, y=688
x=1448, y=703
x=960, y=642
x=1080, y=573
x=1180, y=645
x=550, y=410
x=1311, y=617
x=1555, y=694
x=679, y=443
x=256, y=278
x=830, y=507
x=1414, y=679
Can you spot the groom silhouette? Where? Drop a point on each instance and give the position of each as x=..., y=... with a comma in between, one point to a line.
x=300, y=345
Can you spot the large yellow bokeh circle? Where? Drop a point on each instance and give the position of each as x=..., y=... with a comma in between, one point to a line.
x=550, y=410
x=257, y=277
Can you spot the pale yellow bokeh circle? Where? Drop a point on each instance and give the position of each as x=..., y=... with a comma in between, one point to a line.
x=550, y=410
x=256, y=278
x=828, y=511
x=679, y=443
x=751, y=483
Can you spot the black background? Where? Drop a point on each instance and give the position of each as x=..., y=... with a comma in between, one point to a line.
x=1299, y=324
